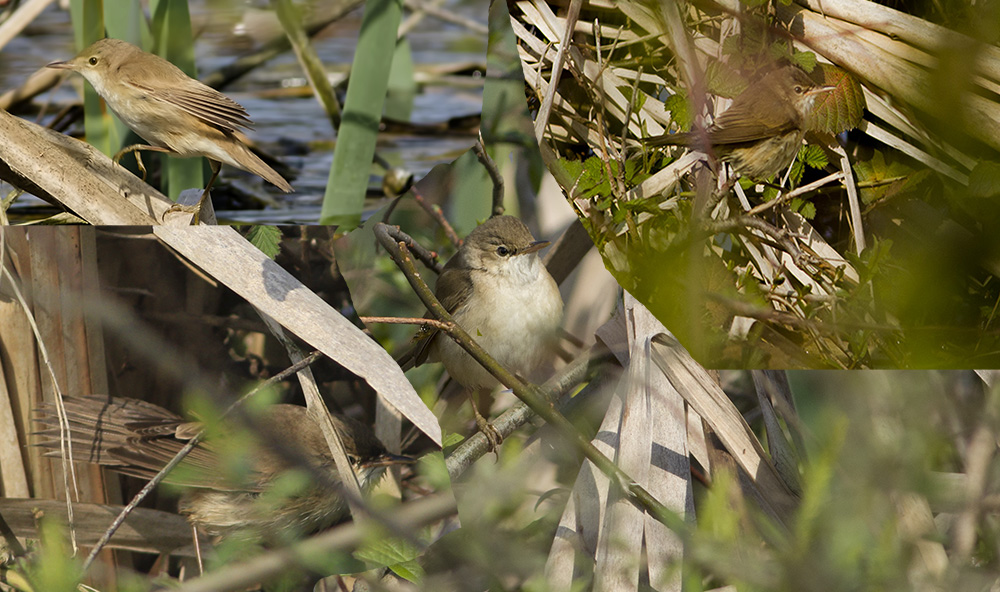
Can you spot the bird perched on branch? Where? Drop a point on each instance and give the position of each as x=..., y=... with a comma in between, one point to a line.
x=761, y=132
x=499, y=291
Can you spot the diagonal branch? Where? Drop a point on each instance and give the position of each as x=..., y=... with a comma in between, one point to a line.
x=531, y=395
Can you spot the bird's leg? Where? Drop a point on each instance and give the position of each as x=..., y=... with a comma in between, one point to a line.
x=137, y=148
x=196, y=209
x=493, y=436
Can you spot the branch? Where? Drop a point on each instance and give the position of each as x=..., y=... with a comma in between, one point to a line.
x=528, y=393
x=394, y=235
x=495, y=176
x=477, y=445
x=432, y=323
x=435, y=212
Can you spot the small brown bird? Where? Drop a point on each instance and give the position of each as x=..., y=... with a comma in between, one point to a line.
x=499, y=291
x=762, y=130
x=175, y=113
x=138, y=438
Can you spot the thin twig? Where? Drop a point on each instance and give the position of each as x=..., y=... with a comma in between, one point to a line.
x=428, y=258
x=795, y=193
x=437, y=213
x=495, y=176
x=530, y=394
x=432, y=323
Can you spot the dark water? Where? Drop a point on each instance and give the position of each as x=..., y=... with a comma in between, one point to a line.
x=291, y=126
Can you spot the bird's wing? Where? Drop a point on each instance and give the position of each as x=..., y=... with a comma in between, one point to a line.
x=742, y=123
x=456, y=283
x=132, y=437
x=205, y=103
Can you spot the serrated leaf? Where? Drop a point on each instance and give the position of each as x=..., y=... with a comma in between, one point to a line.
x=840, y=109
x=266, y=238
x=723, y=80
x=879, y=178
x=798, y=168
x=680, y=110
x=805, y=207
x=805, y=60
x=813, y=157
x=731, y=45
x=808, y=211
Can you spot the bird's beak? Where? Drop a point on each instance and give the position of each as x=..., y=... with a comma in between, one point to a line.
x=60, y=65
x=535, y=246
x=388, y=459
x=820, y=90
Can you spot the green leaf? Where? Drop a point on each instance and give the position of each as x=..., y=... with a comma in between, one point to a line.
x=798, y=168
x=266, y=238
x=723, y=80
x=813, y=157
x=680, y=110
x=881, y=178
x=383, y=550
x=984, y=179
x=590, y=178
x=805, y=60
x=804, y=207
x=409, y=570
x=840, y=109
x=433, y=468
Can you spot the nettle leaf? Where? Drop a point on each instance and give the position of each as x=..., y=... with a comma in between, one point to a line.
x=388, y=551
x=680, y=110
x=798, y=168
x=805, y=60
x=840, y=109
x=265, y=238
x=591, y=177
x=804, y=207
x=732, y=45
x=813, y=157
x=723, y=80
x=880, y=178
x=809, y=156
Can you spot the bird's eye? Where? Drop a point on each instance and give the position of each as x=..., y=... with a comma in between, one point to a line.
x=503, y=251
x=798, y=89
x=352, y=460
x=92, y=61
